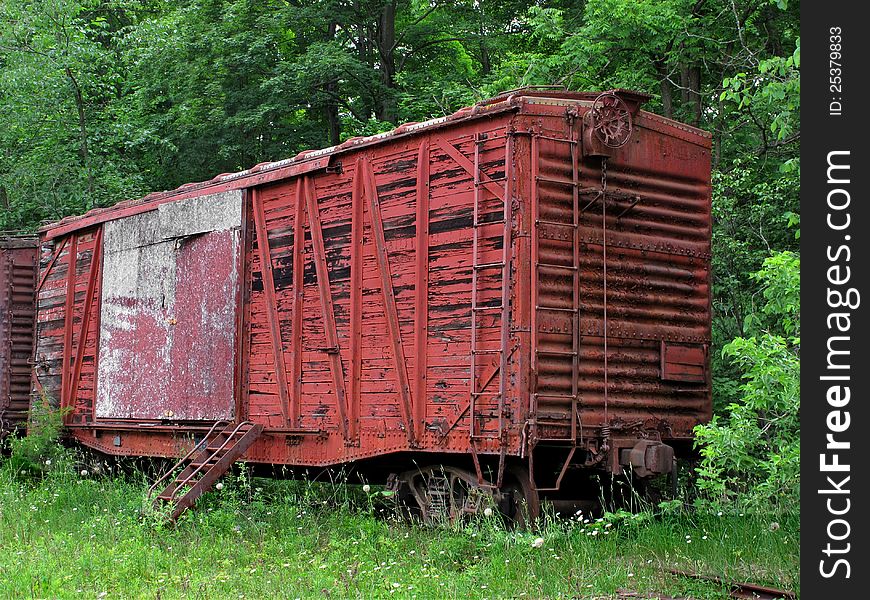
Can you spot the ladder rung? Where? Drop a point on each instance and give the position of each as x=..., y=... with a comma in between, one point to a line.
x=556, y=223
x=480, y=224
x=556, y=309
x=477, y=394
x=556, y=353
x=489, y=265
x=556, y=181
x=484, y=308
x=475, y=352
x=560, y=267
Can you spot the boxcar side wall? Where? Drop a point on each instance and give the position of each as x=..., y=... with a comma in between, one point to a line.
x=361, y=327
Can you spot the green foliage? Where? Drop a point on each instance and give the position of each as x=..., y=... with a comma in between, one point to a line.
x=40, y=451
x=80, y=536
x=751, y=453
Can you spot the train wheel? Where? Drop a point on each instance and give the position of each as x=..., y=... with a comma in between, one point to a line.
x=521, y=505
x=447, y=494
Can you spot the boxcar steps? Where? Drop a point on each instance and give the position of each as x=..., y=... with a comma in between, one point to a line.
x=200, y=468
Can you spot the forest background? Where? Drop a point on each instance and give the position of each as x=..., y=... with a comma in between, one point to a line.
x=102, y=101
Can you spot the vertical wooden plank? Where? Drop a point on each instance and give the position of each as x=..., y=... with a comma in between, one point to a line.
x=298, y=295
x=243, y=313
x=389, y=302
x=356, y=304
x=421, y=286
x=271, y=302
x=93, y=275
x=69, y=307
x=323, y=286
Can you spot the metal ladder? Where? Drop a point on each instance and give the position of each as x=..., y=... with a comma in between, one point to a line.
x=206, y=462
x=478, y=385
x=573, y=230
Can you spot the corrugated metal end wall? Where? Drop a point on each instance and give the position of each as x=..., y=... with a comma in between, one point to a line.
x=658, y=284
x=17, y=285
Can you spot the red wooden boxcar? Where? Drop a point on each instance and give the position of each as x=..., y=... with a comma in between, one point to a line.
x=524, y=285
x=17, y=283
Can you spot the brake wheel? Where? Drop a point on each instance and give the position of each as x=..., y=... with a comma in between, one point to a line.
x=611, y=120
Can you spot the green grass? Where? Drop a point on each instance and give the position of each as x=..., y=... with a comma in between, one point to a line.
x=69, y=536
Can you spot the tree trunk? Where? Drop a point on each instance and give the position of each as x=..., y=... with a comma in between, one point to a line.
x=690, y=84
x=665, y=86
x=83, y=134
x=485, y=63
x=694, y=80
x=388, y=106
x=684, y=83
x=331, y=108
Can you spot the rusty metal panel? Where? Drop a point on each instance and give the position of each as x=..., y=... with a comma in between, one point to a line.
x=167, y=321
x=684, y=362
x=18, y=265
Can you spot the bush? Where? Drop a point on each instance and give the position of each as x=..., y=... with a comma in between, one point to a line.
x=751, y=455
x=40, y=450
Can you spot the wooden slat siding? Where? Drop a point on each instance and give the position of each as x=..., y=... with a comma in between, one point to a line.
x=64, y=368
x=83, y=384
x=451, y=183
x=356, y=296
x=389, y=301
x=272, y=316
x=457, y=155
x=326, y=305
x=48, y=267
x=421, y=308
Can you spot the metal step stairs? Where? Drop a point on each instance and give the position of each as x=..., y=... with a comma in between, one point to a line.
x=200, y=468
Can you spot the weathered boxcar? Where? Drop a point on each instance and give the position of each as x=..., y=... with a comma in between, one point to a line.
x=512, y=291
x=17, y=285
